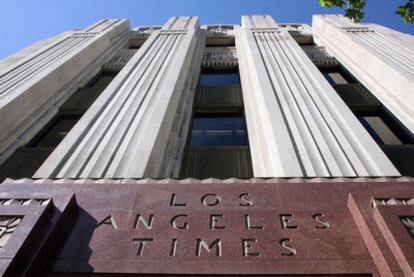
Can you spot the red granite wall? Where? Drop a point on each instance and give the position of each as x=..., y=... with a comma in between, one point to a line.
x=256, y=227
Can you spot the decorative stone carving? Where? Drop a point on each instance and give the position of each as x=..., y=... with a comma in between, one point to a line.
x=358, y=29
x=297, y=29
x=319, y=56
x=219, y=57
x=395, y=201
x=408, y=222
x=7, y=226
x=220, y=30
x=120, y=59
x=24, y=202
x=146, y=31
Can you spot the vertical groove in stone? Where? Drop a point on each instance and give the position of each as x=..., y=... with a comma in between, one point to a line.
x=287, y=90
x=116, y=138
x=387, y=69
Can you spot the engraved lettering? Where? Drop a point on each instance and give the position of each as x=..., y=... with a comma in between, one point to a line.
x=210, y=199
x=208, y=248
x=141, y=244
x=285, y=221
x=249, y=225
x=173, y=247
x=147, y=223
x=285, y=243
x=214, y=220
x=182, y=226
x=173, y=202
x=323, y=224
x=109, y=220
x=244, y=201
x=246, y=246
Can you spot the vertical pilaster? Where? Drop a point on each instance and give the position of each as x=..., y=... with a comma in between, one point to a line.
x=297, y=124
x=33, y=81
x=381, y=59
x=125, y=132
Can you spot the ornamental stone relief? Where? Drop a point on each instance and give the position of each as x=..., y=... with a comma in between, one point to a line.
x=394, y=201
x=297, y=29
x=219, y=57
x=319, y=56
x=220, y=30
x=120, y=59
x=8, y=225
x=408, y=222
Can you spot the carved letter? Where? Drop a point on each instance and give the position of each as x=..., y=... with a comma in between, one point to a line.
x=246, y=245
x=174, y=223
x=173, y=247
x=285, y=220
x=323, y=224
x=141, y=245
x=173, y=203
x=147, y=223
x=215, y=199
x=249, y=225
x=214, y=218
x=109, y=220
x=285, y=244
x=201, y=243
x=244, y=201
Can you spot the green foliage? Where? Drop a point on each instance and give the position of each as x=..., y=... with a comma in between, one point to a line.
x=353, y=10
x=355, y=7
x=406, y=12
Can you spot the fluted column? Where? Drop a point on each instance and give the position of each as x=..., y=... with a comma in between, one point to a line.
x=33, y=80
x=297, y=124
x=381, y=59
x=125, y=132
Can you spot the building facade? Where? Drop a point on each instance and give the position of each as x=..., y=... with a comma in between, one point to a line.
x=248, y=149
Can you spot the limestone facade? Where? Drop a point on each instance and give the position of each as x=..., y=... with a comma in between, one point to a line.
x=297, y=125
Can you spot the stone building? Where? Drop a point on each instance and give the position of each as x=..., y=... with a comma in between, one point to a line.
x=246, y=149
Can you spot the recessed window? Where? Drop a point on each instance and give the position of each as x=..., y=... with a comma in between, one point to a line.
x=218, y=130
x=103, y=79
x=215, y=96
x=217, y=79
x=56, y=132
x=24, y=162
x=379, y=130
x=337, y=76
x=220, y=41
x=402, y=156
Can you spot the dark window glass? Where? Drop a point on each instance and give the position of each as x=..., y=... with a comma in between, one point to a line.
x=217, y=79
x=379, y=130
x=218, y=41
x=103, y=79
x=218, y=130
x=335, y=78
x=217, y=162
x=56, y=132
x=402, y=156
x=24, y=162
x=338, y=76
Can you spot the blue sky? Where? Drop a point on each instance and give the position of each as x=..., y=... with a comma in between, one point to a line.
x=23, y=22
